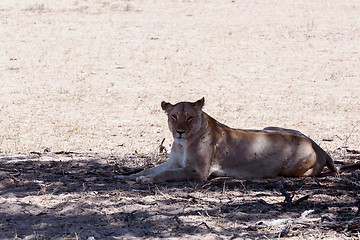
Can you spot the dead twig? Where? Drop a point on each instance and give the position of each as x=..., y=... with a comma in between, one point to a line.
x=346, y=140
x=288, y=197
x=286, y=230
x=162, y=148
x=66, y=153
x=178, y=221
x=206, y=225
x=353, y=225
x=303, y=217
x=304, y=198
x=289, y=222
x=351, y=182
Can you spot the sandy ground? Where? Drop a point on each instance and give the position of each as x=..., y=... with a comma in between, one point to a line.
x=78, y=196
x=87, y=78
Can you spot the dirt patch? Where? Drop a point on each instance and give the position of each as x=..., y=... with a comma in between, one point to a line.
x=90, y=76
x=78, y=196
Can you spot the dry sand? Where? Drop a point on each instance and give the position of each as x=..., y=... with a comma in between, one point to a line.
x=88, y=77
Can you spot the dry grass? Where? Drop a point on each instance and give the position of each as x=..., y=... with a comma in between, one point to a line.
x=94, y=78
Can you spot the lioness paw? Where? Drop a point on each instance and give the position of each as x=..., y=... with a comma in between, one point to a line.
x=121, y=177
x=124, y=177
x=144, y=179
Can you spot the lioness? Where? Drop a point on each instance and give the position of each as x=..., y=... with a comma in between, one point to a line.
x=203, y=147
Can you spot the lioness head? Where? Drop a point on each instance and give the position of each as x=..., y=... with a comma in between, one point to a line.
x=184, y=118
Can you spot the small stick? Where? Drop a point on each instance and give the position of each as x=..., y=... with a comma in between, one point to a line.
x=304, y=198
x=286, y=230
x=162, y=147
x=288, y=197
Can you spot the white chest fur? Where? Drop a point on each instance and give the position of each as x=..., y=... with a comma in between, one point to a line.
x=179, y=152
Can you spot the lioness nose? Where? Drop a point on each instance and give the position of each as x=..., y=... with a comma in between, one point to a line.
x=180, y=132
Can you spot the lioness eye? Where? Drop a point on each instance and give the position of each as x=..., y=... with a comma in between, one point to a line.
x=189, y=119
x=174, y=117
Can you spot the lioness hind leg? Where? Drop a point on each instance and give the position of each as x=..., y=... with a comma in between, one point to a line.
x=304, y=165
x=309, y=173
x=314, y=171
x=317, y=168
x=322, y=159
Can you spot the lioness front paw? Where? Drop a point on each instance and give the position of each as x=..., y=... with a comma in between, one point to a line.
x=144, y=179
x=124, y=178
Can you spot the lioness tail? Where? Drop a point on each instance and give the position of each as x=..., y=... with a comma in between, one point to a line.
x=330, y=163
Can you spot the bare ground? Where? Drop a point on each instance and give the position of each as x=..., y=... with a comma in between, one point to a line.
x=78, y=196
x=80, y=89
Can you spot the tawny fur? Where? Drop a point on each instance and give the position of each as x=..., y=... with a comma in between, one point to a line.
x=203, y=147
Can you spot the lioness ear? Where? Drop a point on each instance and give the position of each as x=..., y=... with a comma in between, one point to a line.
x=200, y=103
x=166, y=106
